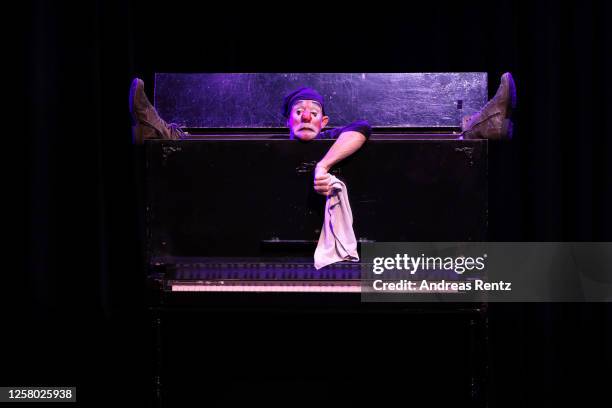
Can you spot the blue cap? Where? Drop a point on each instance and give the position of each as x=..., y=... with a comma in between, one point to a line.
x=303, y=93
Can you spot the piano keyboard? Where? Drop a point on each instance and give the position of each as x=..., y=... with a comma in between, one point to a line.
x=280, y=275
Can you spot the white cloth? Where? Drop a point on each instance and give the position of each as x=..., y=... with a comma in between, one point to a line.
x=337, y=240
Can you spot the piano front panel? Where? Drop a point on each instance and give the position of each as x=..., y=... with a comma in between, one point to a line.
x=400, y=191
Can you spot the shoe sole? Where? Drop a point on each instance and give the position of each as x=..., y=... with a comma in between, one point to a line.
x=133, y=88
x=512, y=92
x=507, y=128
x=137, y=132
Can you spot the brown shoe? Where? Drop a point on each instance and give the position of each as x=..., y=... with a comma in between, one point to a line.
x=493, y=120
x=147, y=123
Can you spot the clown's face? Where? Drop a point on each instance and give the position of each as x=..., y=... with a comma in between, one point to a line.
x=306, y=120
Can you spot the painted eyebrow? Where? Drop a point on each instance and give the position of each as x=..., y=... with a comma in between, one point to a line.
x=301, y=105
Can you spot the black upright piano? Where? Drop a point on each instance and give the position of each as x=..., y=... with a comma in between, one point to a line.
x=239, y=315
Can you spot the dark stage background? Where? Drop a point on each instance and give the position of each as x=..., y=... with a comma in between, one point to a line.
x=74, y=312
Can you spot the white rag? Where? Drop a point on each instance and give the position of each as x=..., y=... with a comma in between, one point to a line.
x=337, y=240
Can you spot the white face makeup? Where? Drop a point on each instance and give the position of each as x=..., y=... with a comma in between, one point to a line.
x=306, y=120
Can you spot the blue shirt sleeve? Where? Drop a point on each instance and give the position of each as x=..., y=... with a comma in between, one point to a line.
x=361, y=126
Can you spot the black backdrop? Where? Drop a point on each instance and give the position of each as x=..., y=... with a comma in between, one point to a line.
x=76, y=311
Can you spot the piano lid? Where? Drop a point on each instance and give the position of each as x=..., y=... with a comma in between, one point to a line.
x=386, y=100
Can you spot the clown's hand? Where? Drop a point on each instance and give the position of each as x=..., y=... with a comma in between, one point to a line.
x=322, y=180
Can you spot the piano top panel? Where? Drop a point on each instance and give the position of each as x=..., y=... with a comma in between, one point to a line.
x=253, y=100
